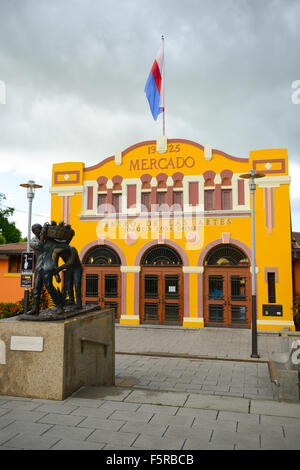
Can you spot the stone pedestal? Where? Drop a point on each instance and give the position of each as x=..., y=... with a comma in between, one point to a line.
x=51, y=360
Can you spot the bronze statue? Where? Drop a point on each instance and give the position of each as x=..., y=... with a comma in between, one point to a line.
x=51, y=242
x=73, y=273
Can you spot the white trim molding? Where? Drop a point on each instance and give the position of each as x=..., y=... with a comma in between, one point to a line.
x=129, y=317
x=207, y=152
x=125, y=183
x=275, y=322
x=273, y=181
x=130, y=269
x=235, y=205
x=118, y=157
x=193, y=319
x=84, y=210
x=193, y=179
x=65, y=190
x=162, y=144
x=193, y=269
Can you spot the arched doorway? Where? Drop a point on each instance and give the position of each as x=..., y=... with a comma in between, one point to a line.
x=227, y=287
x=101, y=278
x=161, y=286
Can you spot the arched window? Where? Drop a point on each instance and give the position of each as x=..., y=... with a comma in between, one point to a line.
x=161, y=255
x=102, y=255
x=226, y=255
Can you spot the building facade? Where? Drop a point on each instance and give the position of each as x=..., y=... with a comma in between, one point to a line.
x=163, y=230
x=10, y=272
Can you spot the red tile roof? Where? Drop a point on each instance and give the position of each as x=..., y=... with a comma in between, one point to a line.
x=13, y=248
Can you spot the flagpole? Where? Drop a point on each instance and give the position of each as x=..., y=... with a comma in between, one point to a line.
x=163, y=51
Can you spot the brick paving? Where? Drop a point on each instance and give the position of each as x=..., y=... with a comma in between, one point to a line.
x=129, y=423
x=164, y=403
x=232, y=378
x=211, y=342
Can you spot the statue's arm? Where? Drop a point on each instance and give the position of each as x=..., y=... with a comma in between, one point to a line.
x=68, y=263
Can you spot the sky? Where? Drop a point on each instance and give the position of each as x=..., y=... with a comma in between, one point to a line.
x=73, y=72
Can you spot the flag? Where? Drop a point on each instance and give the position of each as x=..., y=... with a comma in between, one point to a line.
x=154, y=85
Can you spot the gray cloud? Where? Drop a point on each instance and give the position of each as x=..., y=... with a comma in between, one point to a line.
x=75, y=72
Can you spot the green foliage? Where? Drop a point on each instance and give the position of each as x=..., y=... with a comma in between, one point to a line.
x=9, y=230
x=2, y=240
x=9, y=309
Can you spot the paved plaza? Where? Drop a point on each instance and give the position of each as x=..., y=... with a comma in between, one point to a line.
x=196, y=376
x=210, y=342
x=162, y=402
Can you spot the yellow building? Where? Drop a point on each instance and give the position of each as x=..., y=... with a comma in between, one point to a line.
x=163, y=230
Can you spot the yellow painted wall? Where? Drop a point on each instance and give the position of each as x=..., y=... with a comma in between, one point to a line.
x=272, y=249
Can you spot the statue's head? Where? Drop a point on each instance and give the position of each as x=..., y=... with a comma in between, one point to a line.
x=36, y=229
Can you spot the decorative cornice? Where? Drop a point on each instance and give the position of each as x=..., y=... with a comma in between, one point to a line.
x=66, y=175
x=65, y=190
x=273, y=181
x=183, y=141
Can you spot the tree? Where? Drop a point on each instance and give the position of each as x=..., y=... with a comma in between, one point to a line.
x=8, y=229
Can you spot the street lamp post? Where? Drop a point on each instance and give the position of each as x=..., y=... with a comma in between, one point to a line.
x=252, y=175
x=31, y=186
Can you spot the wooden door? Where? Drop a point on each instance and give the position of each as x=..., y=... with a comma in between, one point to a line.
x=239, y=298
x=102, y=286
x=215, y=298
x=227, y=297
x=161, y=295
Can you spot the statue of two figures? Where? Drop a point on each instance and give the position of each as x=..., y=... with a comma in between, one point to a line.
x=50, y=243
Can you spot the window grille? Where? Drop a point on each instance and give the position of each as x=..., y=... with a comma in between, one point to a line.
x=151, y=312
x=216, y=313
x=238, y=314
x=161, y=255
x=172, y=312
x=151, y=287
x=226, y=254
x=91, y=285
x=102, y=255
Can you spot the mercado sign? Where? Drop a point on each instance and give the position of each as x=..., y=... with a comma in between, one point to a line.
x=169, y=161
x=161, y=163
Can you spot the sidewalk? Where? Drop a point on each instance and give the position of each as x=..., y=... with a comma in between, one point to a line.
x=114, y=418
x=213, y=342
x=132, y=416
